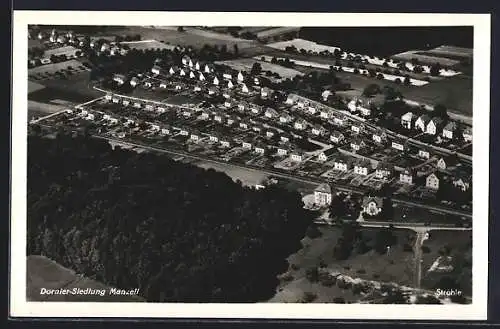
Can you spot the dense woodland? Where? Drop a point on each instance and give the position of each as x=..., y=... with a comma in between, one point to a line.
x=178, y=232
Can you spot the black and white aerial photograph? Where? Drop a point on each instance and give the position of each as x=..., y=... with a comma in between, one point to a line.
x=250, y=164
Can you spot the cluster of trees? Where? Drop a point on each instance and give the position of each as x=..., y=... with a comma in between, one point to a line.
x=286, y=62
x=175, y=231
x=120, y=38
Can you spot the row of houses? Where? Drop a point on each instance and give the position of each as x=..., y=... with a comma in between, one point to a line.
x=434, y=125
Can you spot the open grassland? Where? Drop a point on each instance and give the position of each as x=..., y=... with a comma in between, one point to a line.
x=245, y=64
x=42, y=272
x=459, y=245
x=147, y=44
x=396, y=266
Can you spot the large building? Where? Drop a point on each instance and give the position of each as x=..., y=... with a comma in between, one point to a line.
x=323, y=195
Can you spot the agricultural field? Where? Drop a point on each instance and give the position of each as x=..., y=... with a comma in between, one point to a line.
x=302, y=44
x=429, y=59
x=147, y=44
x=194, y=37
x=277, y=31
x=48, y=71
x=397, y=266
x=459, y=248
x=245, y=64
x=33, y=86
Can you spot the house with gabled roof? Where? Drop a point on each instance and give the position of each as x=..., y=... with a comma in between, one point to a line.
x=462, y=183
x=398, y=145
x=362, y=167
x=215, y=81
x=340, y=121
x=201, y=77
x=379, y=136
x=271, y=113
x=444, y=163
x=318, y=130
x=240, y=77
x=407, y=120
x=357, y=128
x=372, y=205
x=300, y=124
x=209, y=68
x=185, y=60
x=434, y=125
x=432, y=181
x=406, y=176
x=119, y=79
x=424, y=154
x=384, y=170
x=285, y=117
x=467, y=134
x=357, y=144
x=230, y=84
x=260, y=148
x=327, y=154
x=156, y=69
x=323, y=195
x=449, y=130
x=341, y=165
x=297, y=156
x=337, y=137
x=244, y=88
x=134, y=81
x=422, y=122
x=325, y=113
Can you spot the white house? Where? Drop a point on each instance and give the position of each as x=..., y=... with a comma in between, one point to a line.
x=182, y=72
x=227, y=76
x=327, y=154
x=216, y=81
x=337, y=137
x=432, y=181
x=362, y=167
x=163, y=85
x=260, y=149
x=282, y=151
x=240, y=77
x=340, y=121
x=244, y=88
x=246, y=145
x=357, y=145
x=230, y=84
x=341, y=165
x=213, y=138
x=318, y=130
x=449, y=129
x=192, y=75
x=243, y=125
x=269, y=133
x=134, y=81
x=422, y=122
x=225, y=143
x=325, y=114
x=171, y=70
x=462, y=183
x=406, y=177
x=467, y=134
x=311, y=110
x=379, y=137
x=434, y=125
x=201, y=77
x=265, y=92
x=407, y=120
x=398, y=146
x=353, y=105
x=156, y=70
x=285, y=118
x=227, y=104
x=325, y=94
x=424, y=154
x=323, y=195
x=300, y=124
x=372, y=206
x=441, y=164
x=119, y=79
x=357, y=128
x=271, y=113
x=384, y=170
x=297, y=156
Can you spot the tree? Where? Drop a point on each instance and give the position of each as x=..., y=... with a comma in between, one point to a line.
x=435, y=69
x=380, y=76
x=256, y=69
x=236, y=52
x=398, y=81
x=371, y=90
x=407, y=80
x=440, y=111
x=180, y=29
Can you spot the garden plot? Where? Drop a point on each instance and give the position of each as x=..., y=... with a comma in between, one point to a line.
x=245, y=64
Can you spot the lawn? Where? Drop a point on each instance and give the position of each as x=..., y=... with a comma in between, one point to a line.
x=54, y=67
x=459, y=244
x=45, y=273
x=397, y=266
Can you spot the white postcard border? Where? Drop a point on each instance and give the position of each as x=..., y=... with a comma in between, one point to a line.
x=481, y=108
